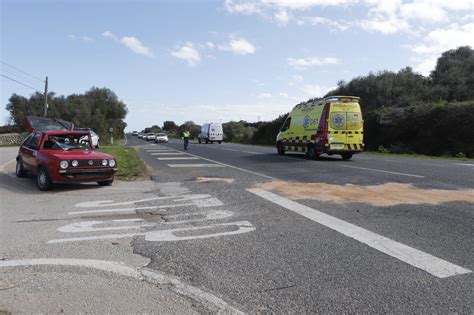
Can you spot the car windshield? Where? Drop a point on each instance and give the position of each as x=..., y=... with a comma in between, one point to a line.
x=161, y=135
x=67, y=142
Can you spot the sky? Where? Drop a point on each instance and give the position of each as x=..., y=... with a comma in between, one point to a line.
x=219, y=60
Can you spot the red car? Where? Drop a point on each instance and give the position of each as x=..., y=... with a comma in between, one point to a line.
x=57, y=154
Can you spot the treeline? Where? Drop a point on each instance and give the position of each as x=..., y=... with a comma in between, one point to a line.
x=404, y=112
x=98, y=108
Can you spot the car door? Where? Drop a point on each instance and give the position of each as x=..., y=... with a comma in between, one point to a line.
x=29, y=152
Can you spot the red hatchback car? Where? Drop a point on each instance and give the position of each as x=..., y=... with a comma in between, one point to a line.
x=57, y=154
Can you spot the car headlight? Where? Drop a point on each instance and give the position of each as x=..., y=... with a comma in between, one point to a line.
x=111, y=162
x=75, y=163
x=104, y=162
x=63, y=164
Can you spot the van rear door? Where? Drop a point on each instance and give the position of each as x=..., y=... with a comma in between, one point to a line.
x=345, y=126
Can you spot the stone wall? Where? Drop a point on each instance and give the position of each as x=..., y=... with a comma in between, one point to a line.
x=12, y=138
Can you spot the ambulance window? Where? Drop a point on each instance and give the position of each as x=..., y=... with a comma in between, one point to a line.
x=286, y=124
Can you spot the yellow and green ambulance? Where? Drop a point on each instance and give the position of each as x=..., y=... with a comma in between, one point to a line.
x=332, y=125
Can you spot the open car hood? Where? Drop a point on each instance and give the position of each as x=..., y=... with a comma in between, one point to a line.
x=34, y=123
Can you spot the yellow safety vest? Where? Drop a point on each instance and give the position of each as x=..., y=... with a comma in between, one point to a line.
x=186, y=134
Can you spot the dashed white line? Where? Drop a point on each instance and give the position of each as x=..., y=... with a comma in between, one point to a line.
x=230, y=150
x=168, y=153
x=465, y=164
x=414, y=257
x=195, y=165
x=382, y=171
x=251, y=152
x=178, y=158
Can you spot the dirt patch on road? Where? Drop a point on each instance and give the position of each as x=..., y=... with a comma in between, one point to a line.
x=389, y=194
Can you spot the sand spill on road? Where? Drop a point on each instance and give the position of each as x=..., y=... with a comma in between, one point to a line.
x=389, y=194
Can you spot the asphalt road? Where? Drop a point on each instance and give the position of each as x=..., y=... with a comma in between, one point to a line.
x=286, y=234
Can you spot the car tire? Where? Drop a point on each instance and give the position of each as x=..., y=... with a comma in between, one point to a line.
x=199, y=140
x=219, y=142
x=19, y=169
x=105, y=182
x=311, y=152
x=346, y=156
x=98, y=144
x=43, y=180
x=280, y=149
x=212, y=142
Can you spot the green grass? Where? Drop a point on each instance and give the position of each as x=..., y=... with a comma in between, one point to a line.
x=131, y=167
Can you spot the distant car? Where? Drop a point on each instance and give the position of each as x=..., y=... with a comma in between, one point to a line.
x=140, y=135
x=95, y=137
x=150, y=136
x=135, y=133
x=210, y=133
x=161, y=138
x=55, y=153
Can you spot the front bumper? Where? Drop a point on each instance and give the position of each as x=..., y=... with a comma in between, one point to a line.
x=85, y=174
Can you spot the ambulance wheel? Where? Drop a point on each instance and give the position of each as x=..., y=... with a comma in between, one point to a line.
x=311, y=152
x=280, y=149
x=346, y=156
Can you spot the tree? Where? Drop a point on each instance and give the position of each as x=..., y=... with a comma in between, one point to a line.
x=169, y=125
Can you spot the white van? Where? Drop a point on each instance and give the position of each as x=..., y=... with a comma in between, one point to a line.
x=211, y=133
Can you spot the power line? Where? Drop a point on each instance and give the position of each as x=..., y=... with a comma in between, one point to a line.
x=21, y=83
x=29, y=74
x=17, y=76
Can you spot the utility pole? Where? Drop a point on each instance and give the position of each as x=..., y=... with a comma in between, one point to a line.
x=46, y=97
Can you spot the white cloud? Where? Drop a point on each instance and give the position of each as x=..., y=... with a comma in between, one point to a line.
x=189, y=53
x=305, y=4
x=282, y=17
x=440, y=40
x=131, y=42
x=264, y=95
x=315, y=90
x=210, y=45
x=238, y=46
x=303, y=63
x=341, y=26
x=247, y=8
x=385, y=26
x=85, y=39
x=423, y=11
x=136, y=46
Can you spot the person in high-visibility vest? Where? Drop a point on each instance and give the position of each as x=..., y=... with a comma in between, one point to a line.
x=185, y=137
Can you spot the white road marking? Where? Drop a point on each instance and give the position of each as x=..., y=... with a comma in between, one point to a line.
x=89, y=226
x=146, y=274
x=431, y=264
x=178, y=158
x=195, y=165
x=230, y=150
x=158, y=150
x=5, y=164
x=207, y=215
x=382, y=171
x=234, y=167
x=93, y=238
x=130, y=210
x=109, y=203
x=251, y=152
x=465, y=164
x=168, y=153
x=169, y=236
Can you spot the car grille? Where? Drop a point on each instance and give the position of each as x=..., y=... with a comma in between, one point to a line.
x=95, y=162
x=89, y=170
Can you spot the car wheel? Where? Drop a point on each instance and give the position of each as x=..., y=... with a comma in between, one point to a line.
x=311, y=152
x=346, y=156
x=43, y=180
x=280, y=149
x=105, y=182
x=220, y=142
x=20, y=170
x=199, y=140
x=98, y=144
x=212, y=142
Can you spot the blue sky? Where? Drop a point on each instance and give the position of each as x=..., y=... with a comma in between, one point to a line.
x=220, y=60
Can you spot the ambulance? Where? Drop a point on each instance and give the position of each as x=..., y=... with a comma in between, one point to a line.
x=332, y=125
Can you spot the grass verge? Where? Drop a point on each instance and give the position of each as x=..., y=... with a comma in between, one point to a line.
x=414, y=155
x=131, y=167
